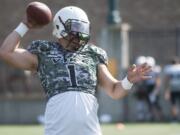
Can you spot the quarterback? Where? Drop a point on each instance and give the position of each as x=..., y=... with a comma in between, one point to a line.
x=70, y=69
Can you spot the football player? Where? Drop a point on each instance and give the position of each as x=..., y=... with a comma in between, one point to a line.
x=147, y=92
x=70, y=70
x=172, y=86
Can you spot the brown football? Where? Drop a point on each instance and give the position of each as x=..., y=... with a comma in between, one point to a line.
x=38, y=13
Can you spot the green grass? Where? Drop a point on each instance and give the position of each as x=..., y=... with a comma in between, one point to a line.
x=108, y=129
x=142, y=129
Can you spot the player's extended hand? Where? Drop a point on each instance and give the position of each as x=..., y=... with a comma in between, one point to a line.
x=30, y=23
x=139, y=73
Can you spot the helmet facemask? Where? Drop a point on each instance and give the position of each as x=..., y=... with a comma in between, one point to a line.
x=75, y=29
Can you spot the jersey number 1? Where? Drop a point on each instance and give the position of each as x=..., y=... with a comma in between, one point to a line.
x=72, y=74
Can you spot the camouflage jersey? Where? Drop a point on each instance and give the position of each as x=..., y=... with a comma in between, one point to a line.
x=61, y=70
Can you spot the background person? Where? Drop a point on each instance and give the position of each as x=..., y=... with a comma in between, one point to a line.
x=172, y=86
x=153, y=87
x=147, y=92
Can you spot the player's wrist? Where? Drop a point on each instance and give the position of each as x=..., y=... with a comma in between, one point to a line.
x=126, y=84
x=22, y=29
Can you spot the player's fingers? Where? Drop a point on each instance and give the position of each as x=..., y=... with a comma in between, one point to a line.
x=145, y=72
x=132, y=67
x=146, y=77
x=145, y=67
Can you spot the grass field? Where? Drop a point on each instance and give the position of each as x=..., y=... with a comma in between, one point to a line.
x=108, y=129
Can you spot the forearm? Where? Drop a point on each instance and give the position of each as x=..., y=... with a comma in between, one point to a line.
x=121, y=88
x=10, y=43
x=14, y=56
x=114, y=88
x=117, y=91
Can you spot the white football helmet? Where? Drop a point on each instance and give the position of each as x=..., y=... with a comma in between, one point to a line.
x=140, y=60
x=71, y=20
x=151, y=61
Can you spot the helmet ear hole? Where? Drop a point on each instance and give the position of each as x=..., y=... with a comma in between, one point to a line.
x=57, y=27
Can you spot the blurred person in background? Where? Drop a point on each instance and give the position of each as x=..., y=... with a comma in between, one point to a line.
x=153, y=86
x=172, y=86
x=70, y=69
x=140, y=94
x=147, y=92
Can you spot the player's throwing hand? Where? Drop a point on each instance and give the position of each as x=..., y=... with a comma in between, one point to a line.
x=37, y=15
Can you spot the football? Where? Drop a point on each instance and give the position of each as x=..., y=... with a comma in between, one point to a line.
x=38, y=13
